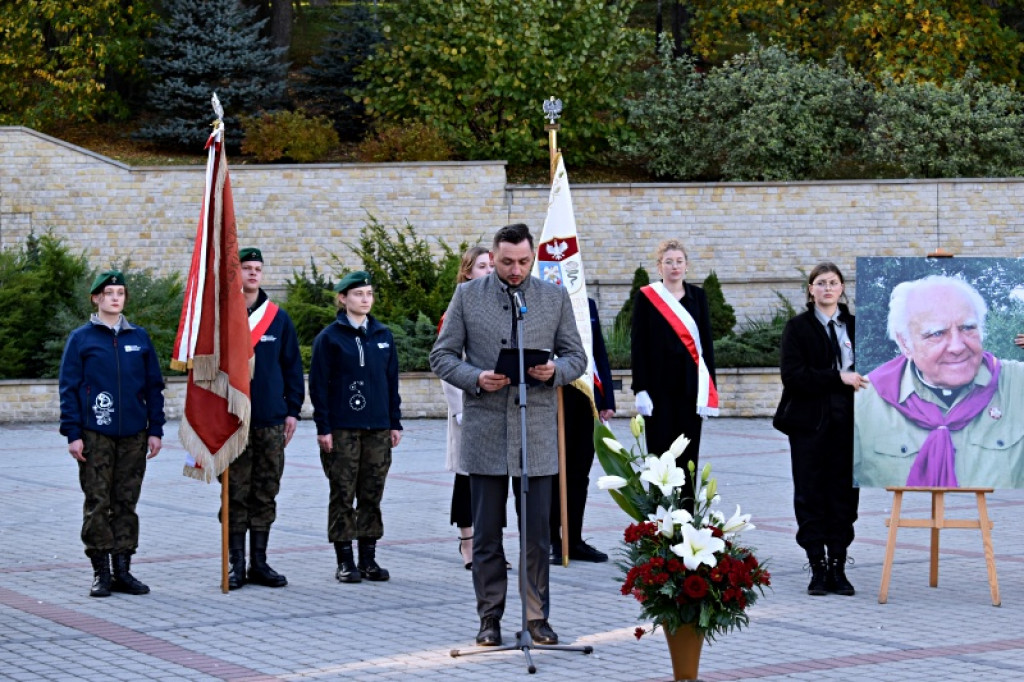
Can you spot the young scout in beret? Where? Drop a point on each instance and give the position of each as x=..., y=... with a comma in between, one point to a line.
x=112, y=413
x=353, y=384
x=277, y=390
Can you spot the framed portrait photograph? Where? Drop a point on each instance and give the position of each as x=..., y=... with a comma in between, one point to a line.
x=945, y=406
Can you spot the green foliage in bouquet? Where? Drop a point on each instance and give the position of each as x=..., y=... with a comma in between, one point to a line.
x=683, y=567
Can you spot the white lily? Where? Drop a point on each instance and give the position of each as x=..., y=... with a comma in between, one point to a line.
x=737, y=524
x=681, y=516
x=665, y=520
x=613, y=445
x=611, y=482
x=663, y=472
x=698, y=547
x=678, y=445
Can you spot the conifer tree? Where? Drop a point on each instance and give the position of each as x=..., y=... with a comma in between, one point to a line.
x=331, y=86
x=625, y=317
x=202, y=47
x=723, y=315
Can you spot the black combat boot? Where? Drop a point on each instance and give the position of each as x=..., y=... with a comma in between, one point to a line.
x=236, y=556
x=835, y=580
x=259, y=572
x=819, y=576
x=100, y=575
x=347, y=571
x=368, y=567
x=124, y=581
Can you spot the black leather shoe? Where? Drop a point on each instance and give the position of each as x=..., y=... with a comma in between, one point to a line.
x=555, y=555
x=541, y=632
x=581, y=551
x=490, y=632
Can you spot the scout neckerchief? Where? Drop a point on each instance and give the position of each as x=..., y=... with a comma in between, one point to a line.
x=685, y=327
x=260, y=320
x=935, y=464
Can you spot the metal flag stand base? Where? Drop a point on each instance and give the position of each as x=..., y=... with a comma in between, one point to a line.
x=524, y=641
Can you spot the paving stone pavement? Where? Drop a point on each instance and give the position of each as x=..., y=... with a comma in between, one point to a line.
x=316, y=628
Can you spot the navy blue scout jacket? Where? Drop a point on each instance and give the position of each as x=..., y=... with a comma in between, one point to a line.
x=110, y=383
x=353, y=378
x=277, y=387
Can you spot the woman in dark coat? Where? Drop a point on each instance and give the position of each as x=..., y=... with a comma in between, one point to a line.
x=673, y=379
x=816, y=412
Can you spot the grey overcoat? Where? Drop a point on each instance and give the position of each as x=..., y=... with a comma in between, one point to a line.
x=476, y=327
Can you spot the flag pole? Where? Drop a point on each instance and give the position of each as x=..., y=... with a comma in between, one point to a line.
x=552, y=110
x=213, y=340
x=224, y=502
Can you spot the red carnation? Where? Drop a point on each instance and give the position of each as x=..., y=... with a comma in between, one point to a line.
x=639, y=632
x=695, y=587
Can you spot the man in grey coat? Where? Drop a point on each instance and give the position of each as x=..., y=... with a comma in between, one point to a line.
x=480, y=322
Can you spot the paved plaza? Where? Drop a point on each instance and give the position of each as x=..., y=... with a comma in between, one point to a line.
x=318, y=629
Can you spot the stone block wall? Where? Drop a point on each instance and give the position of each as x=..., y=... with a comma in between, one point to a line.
x=760, y=238
x=744, y=393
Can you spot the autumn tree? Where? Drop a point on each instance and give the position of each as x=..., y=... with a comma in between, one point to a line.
x=64, y=62
x=933, y=40
x=478, y=70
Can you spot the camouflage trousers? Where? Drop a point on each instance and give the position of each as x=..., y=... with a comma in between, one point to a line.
x=111, y=478
x=254, y=479
x=356, y=469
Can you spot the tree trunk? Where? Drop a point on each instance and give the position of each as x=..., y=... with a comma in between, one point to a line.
x=681, y=16
x=281, y=23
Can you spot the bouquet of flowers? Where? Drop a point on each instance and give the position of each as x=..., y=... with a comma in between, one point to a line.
x=683, y=567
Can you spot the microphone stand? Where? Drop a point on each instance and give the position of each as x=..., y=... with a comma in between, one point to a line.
x=524, y=642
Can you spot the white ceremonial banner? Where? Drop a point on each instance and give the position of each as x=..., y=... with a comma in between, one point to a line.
x=559, y=261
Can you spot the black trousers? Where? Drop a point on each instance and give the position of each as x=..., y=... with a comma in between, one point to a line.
x=490, y=577
x=824, y=498
x=462, y=509
x=579, y=458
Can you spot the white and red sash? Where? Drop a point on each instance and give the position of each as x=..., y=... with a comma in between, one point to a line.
x=685, y=327
x=261, y=319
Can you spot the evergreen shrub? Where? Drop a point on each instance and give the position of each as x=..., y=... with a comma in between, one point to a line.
x=723, y=315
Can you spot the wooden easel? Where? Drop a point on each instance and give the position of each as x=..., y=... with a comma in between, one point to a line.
x=937, y=522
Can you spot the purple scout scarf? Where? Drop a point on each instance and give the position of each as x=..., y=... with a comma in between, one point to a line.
x=935, y=464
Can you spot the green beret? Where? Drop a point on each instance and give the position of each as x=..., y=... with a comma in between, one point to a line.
x=358, y=278
x=250, y=254
x=105, y=279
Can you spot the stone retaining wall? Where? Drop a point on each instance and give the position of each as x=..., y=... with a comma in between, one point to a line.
x=759, y=237
x=744, y=393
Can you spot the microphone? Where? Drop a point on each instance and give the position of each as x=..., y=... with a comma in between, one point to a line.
x=518, y=300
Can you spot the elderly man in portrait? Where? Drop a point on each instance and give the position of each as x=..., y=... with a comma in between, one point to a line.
x=944, y=413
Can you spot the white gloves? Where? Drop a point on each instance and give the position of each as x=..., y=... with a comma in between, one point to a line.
x=458, y=419
x=644, y=405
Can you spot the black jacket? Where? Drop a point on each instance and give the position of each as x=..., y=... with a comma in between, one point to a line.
x=809, y=377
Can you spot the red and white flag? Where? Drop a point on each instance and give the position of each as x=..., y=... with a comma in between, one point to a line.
x=213, y=331
x=559, y=261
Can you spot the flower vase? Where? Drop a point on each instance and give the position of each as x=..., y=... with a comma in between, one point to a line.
x=684, y=645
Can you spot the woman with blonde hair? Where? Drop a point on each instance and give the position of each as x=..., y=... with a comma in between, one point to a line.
x=673, y=357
